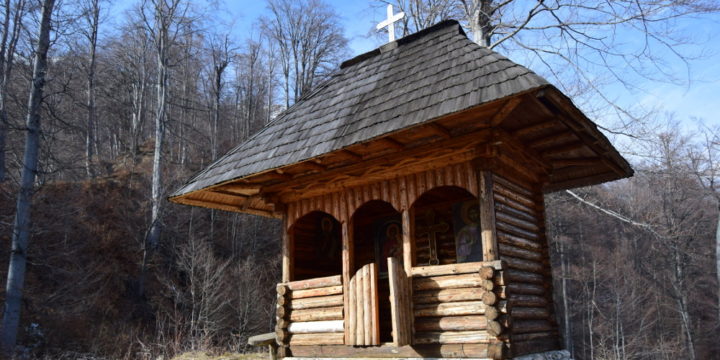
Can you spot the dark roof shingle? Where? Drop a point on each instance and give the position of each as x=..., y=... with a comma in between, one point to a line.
x=429, y=74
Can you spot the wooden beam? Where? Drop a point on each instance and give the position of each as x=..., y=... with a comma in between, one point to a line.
x=551, y=139
x=507, y=108
x=278, y=174
x=562, y=149
x=583, y=181
x=315, y=165
x=582, y=161
x=439, y=130
x=228, y=193
x=347, y=268
x=393, y=143
x=487, y=216
x=287, y=249
x=528, y=130
x=353, y=156
x=444, y=148
x=225, y=206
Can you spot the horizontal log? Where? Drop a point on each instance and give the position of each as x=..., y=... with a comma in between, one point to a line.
x=453, y=295
x=517, y=241
x=422, y=351
x=308, y=327
x=453, y=337
x=316, y=302
x=524, y=265
x=511, y=276
x=282, y=290
x=515, y=212
x=319, y=314
x=453, y=269
x=451, y=323
x=520, y=253
x=528, y=300
x=317, y=339
x=516, y=231
x=455, y=309
x=524, y=288
x=512, y=220
x=514, y=195
x=534, y=336
x=529, y=326
x=315, y=283
x=451, y=282
x=513, y=186
x=520, y=312
x=324, y=291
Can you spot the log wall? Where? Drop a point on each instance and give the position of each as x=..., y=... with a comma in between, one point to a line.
x=524, y=288
x=455, y=304
x=310, y=312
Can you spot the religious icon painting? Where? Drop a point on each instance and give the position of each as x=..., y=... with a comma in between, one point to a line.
x=388, y=242
x=328, y=239
x=466, y=220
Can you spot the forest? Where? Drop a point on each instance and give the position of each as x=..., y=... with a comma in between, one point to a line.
x=100, y=120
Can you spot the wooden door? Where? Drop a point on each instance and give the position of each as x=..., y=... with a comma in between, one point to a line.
x=400, y=303
x=363, y=319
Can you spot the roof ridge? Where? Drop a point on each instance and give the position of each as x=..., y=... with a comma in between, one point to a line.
x=402, y=41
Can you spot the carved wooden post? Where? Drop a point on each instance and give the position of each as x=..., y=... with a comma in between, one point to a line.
x=487, y=215
x=287, y=249
x=347, y=263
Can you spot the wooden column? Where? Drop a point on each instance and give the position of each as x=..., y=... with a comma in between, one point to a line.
x=487, y=215
x=347, y=268
x=287, y=250
x=408, y=227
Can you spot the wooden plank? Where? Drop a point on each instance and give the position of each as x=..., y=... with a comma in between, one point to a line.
x=408, y=229
x=325, y=291
x=487, y=216
x=453, y=269
x=351, y=314
x=367, y=306
x=349, y=294
x=317, y=339
x=454, y=337
x=309, y=327
x=451, y=323
x=453, y=295
x=451, y=282
x=287, y=258
x=316, y=302
x=374, y=305
x=319, y=314
x=315, y=283
x=455, y=309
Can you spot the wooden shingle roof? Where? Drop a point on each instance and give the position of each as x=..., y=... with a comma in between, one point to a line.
x=420, y=77
x=415, y=80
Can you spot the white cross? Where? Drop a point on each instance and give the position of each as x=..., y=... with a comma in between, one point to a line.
x=389, y=22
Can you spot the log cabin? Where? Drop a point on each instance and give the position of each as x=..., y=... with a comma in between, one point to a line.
x=410, y=185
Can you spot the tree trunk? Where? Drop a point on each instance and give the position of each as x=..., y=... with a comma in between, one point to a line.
x=90, y=134
x=717, y=259
x=21, y=228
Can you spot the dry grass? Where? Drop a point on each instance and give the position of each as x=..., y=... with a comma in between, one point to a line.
x=227, y=356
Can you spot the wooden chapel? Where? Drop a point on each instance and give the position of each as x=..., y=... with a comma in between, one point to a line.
x=410, y=185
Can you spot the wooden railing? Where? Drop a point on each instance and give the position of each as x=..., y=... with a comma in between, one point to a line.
x=457, y=304
x=310, y=312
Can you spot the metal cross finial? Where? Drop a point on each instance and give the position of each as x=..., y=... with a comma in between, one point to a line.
x=389, y=22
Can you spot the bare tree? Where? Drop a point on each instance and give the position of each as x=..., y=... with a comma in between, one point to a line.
x=13, y=12
x=164, y=21
x=309, y=40
x=21, y=228
x=89, y=29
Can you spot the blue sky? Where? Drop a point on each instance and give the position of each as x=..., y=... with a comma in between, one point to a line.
x=696, y=94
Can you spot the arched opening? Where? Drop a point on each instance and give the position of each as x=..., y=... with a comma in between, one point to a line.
x=317, y=246
x=447, y=227
x=377, y=235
